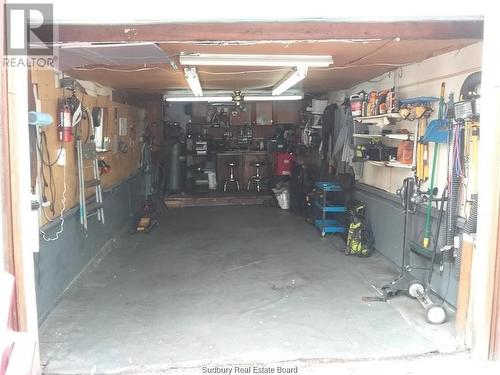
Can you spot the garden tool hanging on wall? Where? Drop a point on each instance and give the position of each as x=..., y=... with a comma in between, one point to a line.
x=436, y=132
x=422, y=112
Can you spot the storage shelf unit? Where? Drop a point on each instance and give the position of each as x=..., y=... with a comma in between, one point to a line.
x=374, y=125
x=328, y=225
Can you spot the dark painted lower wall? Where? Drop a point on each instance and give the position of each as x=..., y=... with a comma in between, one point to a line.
x=385, y=216
x=59, y=262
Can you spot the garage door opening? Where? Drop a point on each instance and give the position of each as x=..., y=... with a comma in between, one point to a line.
x=231, y=168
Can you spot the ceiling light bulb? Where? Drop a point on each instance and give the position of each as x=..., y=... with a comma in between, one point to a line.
x=297, y=76
x=193, y=81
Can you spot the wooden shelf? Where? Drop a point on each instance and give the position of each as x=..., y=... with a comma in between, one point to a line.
x=377, y=163
x=390, y=164
x=395, y=164
x=368, y=136
x=401, y=136
x=378, y=118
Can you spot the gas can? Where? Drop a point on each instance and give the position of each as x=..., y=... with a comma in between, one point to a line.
x=405, y=152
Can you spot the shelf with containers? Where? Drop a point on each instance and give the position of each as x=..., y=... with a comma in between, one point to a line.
x=327, y=203
x=311, y=127
x=383, y=129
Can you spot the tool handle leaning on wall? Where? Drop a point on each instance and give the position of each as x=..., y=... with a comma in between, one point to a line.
x=427, y=228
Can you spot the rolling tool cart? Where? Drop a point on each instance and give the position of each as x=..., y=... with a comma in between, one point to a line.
x=325, y=203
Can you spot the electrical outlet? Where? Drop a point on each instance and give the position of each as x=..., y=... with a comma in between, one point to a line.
x=122, y=126
x=62, y=157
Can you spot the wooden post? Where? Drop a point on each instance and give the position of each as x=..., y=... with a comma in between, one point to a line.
x=464, y=289
x=495, y=314
x=483, y=268
x=23, y=232
x=5, y=172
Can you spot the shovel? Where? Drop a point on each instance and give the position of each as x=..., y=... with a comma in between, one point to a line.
x=434, y=133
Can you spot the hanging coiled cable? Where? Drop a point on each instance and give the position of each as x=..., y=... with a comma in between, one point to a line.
x=454, y=180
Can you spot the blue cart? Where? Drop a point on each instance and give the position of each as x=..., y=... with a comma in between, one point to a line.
x=328, y=224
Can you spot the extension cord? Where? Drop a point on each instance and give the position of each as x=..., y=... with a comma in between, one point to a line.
x=61, y=160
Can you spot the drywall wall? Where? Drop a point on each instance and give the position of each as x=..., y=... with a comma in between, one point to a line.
x=419, y=79
x=47, y=94
x=378, y=184
x=388, y=235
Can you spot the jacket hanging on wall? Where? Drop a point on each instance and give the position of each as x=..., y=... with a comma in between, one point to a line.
x=327, y=134
x=328, y=123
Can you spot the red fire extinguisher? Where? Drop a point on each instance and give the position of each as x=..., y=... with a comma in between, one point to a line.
x=65, y=127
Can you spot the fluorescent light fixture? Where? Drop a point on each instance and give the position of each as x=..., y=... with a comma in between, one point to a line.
x=193, y=81
x=272, y=98
x=229, y=99
x=254, y=60
x=199, y=99
x=297, y=76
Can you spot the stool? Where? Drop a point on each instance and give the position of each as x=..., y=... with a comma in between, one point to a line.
x=231, y=180
x=257, y=180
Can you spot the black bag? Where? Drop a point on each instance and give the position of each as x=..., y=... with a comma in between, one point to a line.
x=380, y=152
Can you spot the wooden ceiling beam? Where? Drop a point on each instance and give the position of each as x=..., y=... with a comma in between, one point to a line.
x=260, y=31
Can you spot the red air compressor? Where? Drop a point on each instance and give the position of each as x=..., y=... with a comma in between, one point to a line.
x=283, y=163
x=65, y=126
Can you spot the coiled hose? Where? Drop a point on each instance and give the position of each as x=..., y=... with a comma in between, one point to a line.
x=454, y=157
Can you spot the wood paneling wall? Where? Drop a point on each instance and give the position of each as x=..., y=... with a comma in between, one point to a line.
x=122, y=165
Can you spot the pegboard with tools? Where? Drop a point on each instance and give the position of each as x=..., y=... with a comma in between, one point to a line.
x=48, y=95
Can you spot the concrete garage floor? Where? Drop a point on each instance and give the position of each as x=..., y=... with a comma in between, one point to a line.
x=231, y=285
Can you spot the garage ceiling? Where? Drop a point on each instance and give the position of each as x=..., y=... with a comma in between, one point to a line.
x=356, y=59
